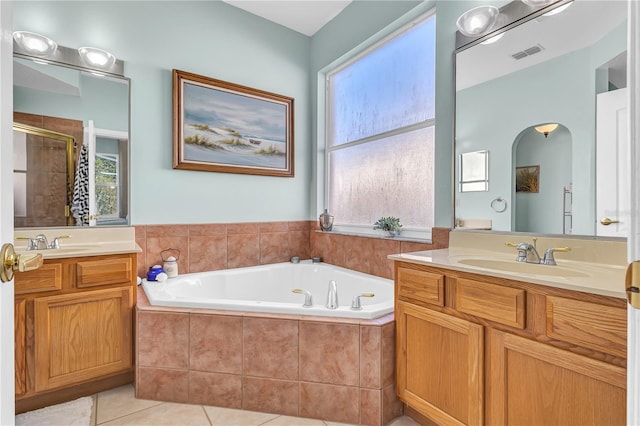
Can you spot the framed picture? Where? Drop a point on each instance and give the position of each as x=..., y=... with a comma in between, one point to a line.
x=528, y=179
x=224, y=127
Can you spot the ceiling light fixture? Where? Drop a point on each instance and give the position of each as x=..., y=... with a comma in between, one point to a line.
x=97, y=57
x=478, y=21
x=34, y=43
x=545, y=129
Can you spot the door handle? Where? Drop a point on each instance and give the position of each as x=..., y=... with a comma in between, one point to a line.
x=632, y=284
x=11, y=261
x=606, y=221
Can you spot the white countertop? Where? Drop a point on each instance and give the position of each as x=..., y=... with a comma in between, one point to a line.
x=602, y=279
x=81, y=242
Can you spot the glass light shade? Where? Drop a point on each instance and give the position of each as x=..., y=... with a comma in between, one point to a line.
x=493, y=39
x=35, y=43
x=537, y=3
x=477, y=21
x=97, y=57
x=545, y=129
x=558, y=9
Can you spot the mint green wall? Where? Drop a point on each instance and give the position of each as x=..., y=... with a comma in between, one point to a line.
x=102, y=100
x=350, y=30
x=220, y=41
x=208, y=38
x=542, y=212
x=492, y=115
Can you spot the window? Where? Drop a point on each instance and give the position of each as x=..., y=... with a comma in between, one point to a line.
x=380, y=132
x=107, y=185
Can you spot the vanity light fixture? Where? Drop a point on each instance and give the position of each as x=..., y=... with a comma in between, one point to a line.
x=545, y=129
x=35, y=43
x=537, y=3
x=558, y=9
x=493, y=39
x=97, y=57
x=478, y=21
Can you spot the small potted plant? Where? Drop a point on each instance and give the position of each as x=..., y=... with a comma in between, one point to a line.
x=391, y=225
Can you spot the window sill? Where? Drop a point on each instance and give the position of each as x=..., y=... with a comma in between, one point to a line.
x=377, y=236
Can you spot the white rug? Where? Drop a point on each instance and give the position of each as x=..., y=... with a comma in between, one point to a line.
x=76, y=413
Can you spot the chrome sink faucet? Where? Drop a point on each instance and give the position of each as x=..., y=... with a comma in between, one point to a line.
x=40, y=242
x=526, y=252
x=529, y=254
x=548, y=255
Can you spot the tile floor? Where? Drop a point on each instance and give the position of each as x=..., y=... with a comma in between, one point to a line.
x=120, y=407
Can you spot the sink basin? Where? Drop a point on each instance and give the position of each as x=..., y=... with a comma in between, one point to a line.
x=523, y=268
x=65, y=250
x=52, y=252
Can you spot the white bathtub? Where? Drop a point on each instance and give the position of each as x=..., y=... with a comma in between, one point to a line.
x=267, y=288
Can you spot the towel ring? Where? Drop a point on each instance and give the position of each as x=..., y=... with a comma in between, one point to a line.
x=499, y=204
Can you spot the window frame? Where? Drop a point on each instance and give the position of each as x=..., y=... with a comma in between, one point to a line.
x=399, y=27
x=116, y=159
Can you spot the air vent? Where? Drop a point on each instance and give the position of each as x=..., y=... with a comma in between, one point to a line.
x=528, y=52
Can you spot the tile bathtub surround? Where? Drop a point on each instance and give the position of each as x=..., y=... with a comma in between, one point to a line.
x=283, y=364
x=210, y=247
x=214, y=246
x=369, y=254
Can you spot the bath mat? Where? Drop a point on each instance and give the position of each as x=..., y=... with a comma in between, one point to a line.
x=76, y=413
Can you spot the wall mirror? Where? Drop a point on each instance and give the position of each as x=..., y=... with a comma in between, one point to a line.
x=533, y=98
x=71, y=145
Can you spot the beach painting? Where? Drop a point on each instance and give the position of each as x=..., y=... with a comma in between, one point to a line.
x=224, y=127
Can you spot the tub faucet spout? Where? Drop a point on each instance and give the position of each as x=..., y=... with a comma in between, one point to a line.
x=332, y=296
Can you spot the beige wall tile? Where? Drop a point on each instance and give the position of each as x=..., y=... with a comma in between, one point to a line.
x=274, y=247
x=215, y=343
x=207, y=253
x=370, y=357
x=243, y=250
x=162, y=339
x=330, y=402
x=329, y=353
x=222, y=390
x=270, y=348
x=272, y=396
x=162, y=384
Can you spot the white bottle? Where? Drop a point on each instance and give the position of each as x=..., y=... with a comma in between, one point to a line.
x=171, y=267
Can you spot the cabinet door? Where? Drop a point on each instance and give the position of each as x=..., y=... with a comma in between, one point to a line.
x=531, y=383
x=20, y=330
x=439, y=365
x=82, y=336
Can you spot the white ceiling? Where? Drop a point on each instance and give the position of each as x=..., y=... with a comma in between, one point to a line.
x=303, y=16
x=581, y=25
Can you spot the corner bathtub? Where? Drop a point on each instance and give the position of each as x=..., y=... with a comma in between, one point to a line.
x=268, y=288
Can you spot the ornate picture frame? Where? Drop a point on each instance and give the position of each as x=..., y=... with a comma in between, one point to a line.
x=225, y=127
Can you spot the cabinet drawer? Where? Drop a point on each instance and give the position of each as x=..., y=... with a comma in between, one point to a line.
x=92, y=273
x=46, y=278
x=505, y=305
x=421, y=285
x=592, y=325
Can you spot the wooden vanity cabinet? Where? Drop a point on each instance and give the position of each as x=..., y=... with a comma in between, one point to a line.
x=500, y=352
x=73, y=328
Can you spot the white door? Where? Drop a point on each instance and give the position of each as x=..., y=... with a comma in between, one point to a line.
x=633, y=352
x=90, y=140
x=7, y=380
x=612, y=164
